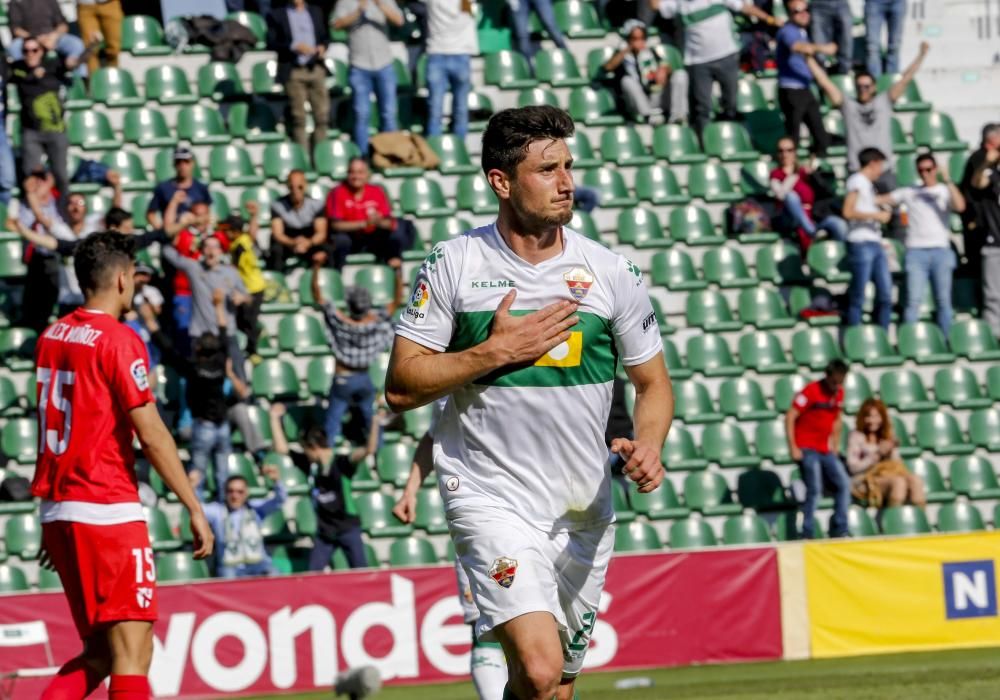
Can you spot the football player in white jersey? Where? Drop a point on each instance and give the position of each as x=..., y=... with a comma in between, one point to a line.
x=523, y=324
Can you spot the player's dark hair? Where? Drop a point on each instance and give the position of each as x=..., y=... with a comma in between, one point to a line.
x=924, y=157
x=870, y=155
x=836, y=368
x=100, y=256
x=511, y=131
x=315, y=437
x=116, y=216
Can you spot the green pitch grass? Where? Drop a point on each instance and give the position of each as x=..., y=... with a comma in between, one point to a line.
x=954, y=675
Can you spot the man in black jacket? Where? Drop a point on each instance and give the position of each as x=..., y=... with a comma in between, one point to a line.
x=299, y=35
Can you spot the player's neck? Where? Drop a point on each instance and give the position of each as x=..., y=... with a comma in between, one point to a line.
x=531, y=246
x=105, y=303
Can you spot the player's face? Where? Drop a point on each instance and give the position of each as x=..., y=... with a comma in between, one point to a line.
x=541, y=191
x=128, y=287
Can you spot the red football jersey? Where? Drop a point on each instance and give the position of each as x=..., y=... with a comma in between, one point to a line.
x=818, y=412
x=91, y=371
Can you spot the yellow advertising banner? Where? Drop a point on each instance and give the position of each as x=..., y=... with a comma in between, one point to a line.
x=902, y=594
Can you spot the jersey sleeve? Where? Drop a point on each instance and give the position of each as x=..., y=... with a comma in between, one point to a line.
x=802, y=400
x=429, y=317
x=633, y=320
x=126, y=368
x=668, y=8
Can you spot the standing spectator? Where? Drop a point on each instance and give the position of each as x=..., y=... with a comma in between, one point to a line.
x=371, y=61
x=146, y=294
x=868, y=119
x=8, y=169
x=795, y=96
x=813, y=424
x=795, y=188
x=891, y=13
x=452, y=41
x=188, y=230
x=928, y=241
x=878, y=475
x=298, y=227
x=101, y=20
x=337, y=523
x=865, y=255
x=650, y=89
x=357, y=338
x=520, y=10
x=241, y=246
x=361, y=218
x=195, y=191
x=711, y=53
x=299, y=35
x=832, y=22
x=980, y=219
x=985, y=188
x=44, y=22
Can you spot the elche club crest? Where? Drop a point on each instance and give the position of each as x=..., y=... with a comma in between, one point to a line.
x=503, y=571
x=578, y=280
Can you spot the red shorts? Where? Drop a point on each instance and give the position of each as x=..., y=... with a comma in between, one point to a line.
x=107, y=572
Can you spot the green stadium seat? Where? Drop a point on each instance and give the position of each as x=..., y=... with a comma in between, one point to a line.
x=375, y=509
x=771, y=441
x=750, y=97
x=594, y=107
x=707, y=309
x=906, y=172
x=17, y=348
x=729, y=141
x=680, y=453
x=23, y=535
x=282, y=158
x=430, y=512
x=936, y=131
x=558, y=68
x=859, y=523
x=900, y=142
x=691, y=533
x=692, y=403
x=619, y=500
x=168, y=85
x=707, y=492
x=180, y=567
x=711, y=182
x=984, y=428
x=91, y=131
x=870, y=346
x=780, y=263
x=856, y=391
x=475, y=195
x=744, y=400
x=928, y=471
x=264, y=78
x=338, y=561
x=319, y=375
x=295, y=480
x=220, y=205
x=147, y=128
x=762, y=352
x=232, y=165
x=709, y=354
x=726, y=268
x=641, y=228
x=611, y=186
x=480, y=110
x=333, y=156
x=637, y=537
x=674, y=270
x=670, y=54
x=596, y=58
x=380, y=281
x=910, y=101
x=924, y=343
x=254, y=22
x=677, y=144
x=13, y=579
x=974, y=477
x=661, y=504
x=254, y=122
x=275, y=380
x=143, y=36
x=905, y=520
x=622, y=146
x=508, y=71
x=423, y=197
x=277, y=294
x=303, y=335
x=160, y=535
x=762, y=490
x=908, y=449
x=582, y=151
x=745, y=529
x=956, y=165
x=393, y=462
x=755, y=179
x=364, y=479
x=814, y=348
x=973, y=339
x=289, y=559
x=959, y=388
x=48, y=580
x=11, y=263
x=960, y=517
x=678, y=368
x=454, y=157
x=763, y=308
x=658, y=184
x=114, y=87
x=828, y=260
x=939, y=433
x=446, y=228
x=903, y=390
x=726, y=445
x=19, y=440
x=693, y=226
x=275, y=528
x=538, y=96
x=578, y=20
x=766, y=128
x=220, y=81
x=330, y=285
x=9, y=399
x=993, y=383
x=412, y=551
x=199, y=124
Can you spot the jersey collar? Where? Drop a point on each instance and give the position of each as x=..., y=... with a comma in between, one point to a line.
x=508, y=252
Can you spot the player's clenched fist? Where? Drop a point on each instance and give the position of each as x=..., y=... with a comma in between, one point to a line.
x=526, y=338
x=201, y=532
x=642, y=463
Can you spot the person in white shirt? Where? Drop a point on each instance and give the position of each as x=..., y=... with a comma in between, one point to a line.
x=523, y=323
x=865, y=255
x=452, y=41
x=929, y=256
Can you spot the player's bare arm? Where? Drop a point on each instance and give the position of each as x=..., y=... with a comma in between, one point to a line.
x=653, y=414
x=406, y=507
x=159, y=448
x=417, y=375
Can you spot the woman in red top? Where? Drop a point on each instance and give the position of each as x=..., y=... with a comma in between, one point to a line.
x=792, y=187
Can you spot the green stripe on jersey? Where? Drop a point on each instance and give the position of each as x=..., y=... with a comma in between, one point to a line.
x=689, y=18
x=598, y=354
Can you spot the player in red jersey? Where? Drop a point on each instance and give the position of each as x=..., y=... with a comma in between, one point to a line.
x=93, y=395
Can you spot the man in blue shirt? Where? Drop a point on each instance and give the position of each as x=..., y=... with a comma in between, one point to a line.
x=798, y=103
x=195, y=190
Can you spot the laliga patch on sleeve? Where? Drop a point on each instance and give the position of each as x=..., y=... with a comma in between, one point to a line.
x=138, y=371
x=416, y=312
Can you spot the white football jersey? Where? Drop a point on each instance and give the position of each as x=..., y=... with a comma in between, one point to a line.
x=531, y=439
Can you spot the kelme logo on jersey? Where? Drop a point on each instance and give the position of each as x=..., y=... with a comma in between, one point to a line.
x=503, y=571
x=493, y=284
x=579, y=281
x=416, y=312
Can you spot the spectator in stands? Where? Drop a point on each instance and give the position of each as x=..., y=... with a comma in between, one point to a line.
x=795, y=96
x=520, y=10
x=868, y=119
x=357, y=338
x=813, y=424
x=928, y=241
x=804, y=196
x=372, y=69
x=984, y=186
x=298, y=227
x=866, y=214
x=194, y=191
x=361, y=219
x=299, y=35
x=44, y=23
x=976, y=219
x=648, y=86
x=8, y=168
x=711, y=53
x=241, y=247
x=330, y=477
x=832, y=23
x=101, y=20
x=452, y=41
x=146, y=294
x=878, y=475
x=891, y=13
x=188, y=231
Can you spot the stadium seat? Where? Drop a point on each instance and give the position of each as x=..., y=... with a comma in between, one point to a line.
x=276, y=380
x=692, y=403
x=974, y=477
x=936, y=131
x=23, y=535
x=412, y=551
x=422, y=197
x=707, y=492
x=637, y=537
x=641, y=228
x=254, y=122
x=726, y=268
x=910, y=101
x=303, y=335
x=780, y=263
x=984, y=428
x=900, y=142
x=905, y=520
x=19, y=440
x=393, y=462
x=726, y=445
x=254, y=22
x=282, y=158
x=707, y=309
x=201, y=125
x=275, y=528
x=91, y=131
x=48, y=580
x=622, y=146
x=508, y=70
x=870, y=346
x=219, y=81
x=332, y=157
x=677, y=144
x=680, y=453
x=678, y=368
x=375, y=509
x=729, y=141
x=430, y=512
x=762, y=352
x=993, y=383
x=289, y=559
x=594, y=107
x=160, y=535
x=803, y=298
x=785, y=390
x=745, y=529
x=924, y=343
x=232, y=165
x=114, y=87
x=709, y=354
x=814, y=348
x=939, y=433
x=264, y=78
x=960, y=517
x=330, y=285
x=147, y=128
x=771, y=441
x=711, y=182
x=927, y=470
x=453, y=155
x=17, y=348
x=658, y=185
x=578, y=20
x=763, y=308
x=446, y=228
x=582, y=151
x=380, y=281
x=558, y=68
x=856, y=391
x=143, y=36
x=743, y=399
x=661, y=504
x=762, y=490
x=11, y=261
x=538, y=96
x=828, y=260
x=13, y=579
x=611, y=186
x=168, y=85
x=693, y=226
x=178, y=567
x=904, y=391
x=973, y=339
x=959, y=388
x=338, y=561
x=619, y=500
x=859, y=523
x=674, y=270
x=294, y=479
x=691, y=533
x=755, y=179
x=908, y=448
x=596, y=58
x=475, y=196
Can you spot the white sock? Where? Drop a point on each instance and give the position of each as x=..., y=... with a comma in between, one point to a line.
x=489, y=672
